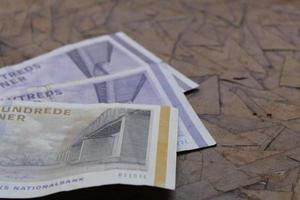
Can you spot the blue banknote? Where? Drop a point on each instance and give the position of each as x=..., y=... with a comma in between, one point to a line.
x=99, y=56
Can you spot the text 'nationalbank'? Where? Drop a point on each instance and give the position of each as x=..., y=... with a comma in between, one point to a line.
x=43, y=186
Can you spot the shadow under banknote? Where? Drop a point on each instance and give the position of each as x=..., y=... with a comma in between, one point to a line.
x=114, y=192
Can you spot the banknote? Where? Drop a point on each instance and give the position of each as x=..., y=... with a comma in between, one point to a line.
x=135, y=86
x=90, y=58
x=51, y=147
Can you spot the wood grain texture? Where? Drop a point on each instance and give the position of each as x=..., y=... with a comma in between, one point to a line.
x=245, y=56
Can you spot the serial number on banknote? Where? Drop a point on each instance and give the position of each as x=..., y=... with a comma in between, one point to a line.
x=132, y=175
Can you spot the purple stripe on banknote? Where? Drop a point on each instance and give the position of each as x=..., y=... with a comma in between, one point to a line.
x=196, y=135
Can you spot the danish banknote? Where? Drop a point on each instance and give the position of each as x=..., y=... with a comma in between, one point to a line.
x=90, y=58
x=51, y=147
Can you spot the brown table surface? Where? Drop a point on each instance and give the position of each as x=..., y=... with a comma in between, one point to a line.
x=245, y=56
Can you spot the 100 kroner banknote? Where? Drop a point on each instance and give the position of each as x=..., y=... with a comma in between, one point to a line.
x=52, y=147
x=100, y=56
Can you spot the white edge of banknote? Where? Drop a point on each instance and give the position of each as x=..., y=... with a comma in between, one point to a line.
x=162, y=158
x=91, y=80
x=185, y=84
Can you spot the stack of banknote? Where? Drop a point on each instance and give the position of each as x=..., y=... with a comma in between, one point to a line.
x=101, y=111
